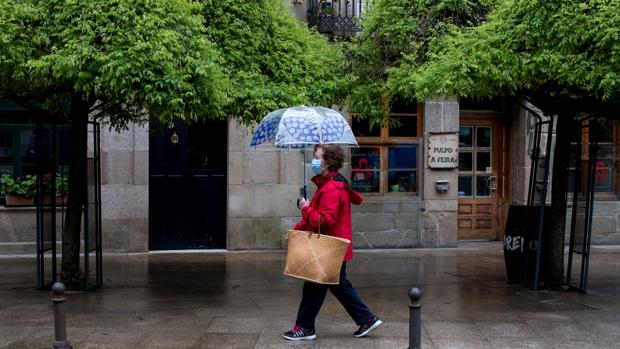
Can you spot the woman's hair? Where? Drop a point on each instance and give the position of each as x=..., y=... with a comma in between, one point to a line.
x=333, y=155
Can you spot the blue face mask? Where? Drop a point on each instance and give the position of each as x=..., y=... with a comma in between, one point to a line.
x=316, y=166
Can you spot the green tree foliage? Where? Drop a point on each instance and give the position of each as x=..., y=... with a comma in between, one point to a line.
x=120, y=57
x=396, y=31
x=567, y=49
x=273, y=60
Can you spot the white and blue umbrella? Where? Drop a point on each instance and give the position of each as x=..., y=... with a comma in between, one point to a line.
x=298, y=127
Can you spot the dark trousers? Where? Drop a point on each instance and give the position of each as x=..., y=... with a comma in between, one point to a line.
x=314, y=295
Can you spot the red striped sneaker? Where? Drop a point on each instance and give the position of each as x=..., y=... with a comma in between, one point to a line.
x=299, y=334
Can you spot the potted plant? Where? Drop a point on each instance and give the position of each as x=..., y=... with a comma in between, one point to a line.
x=62, y=188
x=19, y=191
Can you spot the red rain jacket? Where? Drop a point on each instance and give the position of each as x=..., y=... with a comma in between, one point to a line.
x=332, y=202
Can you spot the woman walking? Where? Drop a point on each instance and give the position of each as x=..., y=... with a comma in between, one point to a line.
x=331, y=208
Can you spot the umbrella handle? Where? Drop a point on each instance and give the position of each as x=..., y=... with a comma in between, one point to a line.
x=303, y=152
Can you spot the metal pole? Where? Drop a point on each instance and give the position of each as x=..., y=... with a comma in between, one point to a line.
x=60, y=323
x=415, y=319
x=303, y=169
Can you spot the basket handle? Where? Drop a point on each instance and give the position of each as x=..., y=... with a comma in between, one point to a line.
x=319, y=228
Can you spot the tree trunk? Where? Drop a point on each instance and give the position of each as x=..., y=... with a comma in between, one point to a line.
x=561, y=158
x=76, y=197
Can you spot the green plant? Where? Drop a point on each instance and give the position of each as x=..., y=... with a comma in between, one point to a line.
x=90, y=282
x=62, y=184
x=25, y=186
x=328, y=10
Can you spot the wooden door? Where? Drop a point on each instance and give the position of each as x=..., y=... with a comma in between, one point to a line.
x=479, y=162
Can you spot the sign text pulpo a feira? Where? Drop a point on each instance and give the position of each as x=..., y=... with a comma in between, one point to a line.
x=443, y=150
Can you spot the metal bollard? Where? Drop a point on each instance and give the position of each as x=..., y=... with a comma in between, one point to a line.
x=415, y=319
x=60, y=323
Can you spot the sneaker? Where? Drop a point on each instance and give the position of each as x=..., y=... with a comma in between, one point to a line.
x=370, y=325
x=298, y=334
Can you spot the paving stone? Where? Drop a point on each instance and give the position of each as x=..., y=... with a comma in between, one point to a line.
x=461, y=344
x=241, y=299
x=348, y=342
x=392, y=343
x=228, y=341
x=236, y=323
x=560, y=329
x=577, y=343
x=273, y=341
x=452, y=329
x=506, y=329
x=517, y=343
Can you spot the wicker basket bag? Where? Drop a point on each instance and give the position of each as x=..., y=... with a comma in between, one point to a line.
x=315, y=257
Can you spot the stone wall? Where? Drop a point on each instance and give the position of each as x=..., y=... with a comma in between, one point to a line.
x=18, y=230
x=124, y=189
x=440, y=209
x=263, y=186
x=606, y=223
x=387, y=223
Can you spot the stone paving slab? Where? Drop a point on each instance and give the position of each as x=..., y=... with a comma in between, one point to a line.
x=242, y=300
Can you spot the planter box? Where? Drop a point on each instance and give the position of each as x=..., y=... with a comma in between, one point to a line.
x=60, y=200
x=16, y=200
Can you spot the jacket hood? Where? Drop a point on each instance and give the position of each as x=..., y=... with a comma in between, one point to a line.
x=339, y=182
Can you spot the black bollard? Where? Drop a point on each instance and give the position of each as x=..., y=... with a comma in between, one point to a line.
x=60, y=323
x=415, y=319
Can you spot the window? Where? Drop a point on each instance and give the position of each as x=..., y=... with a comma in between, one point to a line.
x=19, y=153
x=387, y=160
x=606, y=174
x=6, y=152
x=475, y=161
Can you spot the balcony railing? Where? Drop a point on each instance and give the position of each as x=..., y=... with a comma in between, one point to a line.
x=336, y=17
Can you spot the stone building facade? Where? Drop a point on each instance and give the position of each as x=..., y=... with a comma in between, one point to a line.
x=262, y=185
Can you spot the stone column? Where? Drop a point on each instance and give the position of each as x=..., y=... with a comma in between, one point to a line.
x=124, y=188
x=440, y=209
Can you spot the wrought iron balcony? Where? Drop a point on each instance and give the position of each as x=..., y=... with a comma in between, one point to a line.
x=336, y=17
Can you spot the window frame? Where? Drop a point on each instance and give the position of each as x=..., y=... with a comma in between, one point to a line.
x=384, y=142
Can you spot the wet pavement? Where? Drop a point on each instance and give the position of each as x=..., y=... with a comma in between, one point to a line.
x=242, y=300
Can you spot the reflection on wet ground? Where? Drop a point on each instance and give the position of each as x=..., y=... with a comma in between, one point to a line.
x=242, y=300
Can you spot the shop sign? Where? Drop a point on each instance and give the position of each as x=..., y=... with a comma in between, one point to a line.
x=443, y=150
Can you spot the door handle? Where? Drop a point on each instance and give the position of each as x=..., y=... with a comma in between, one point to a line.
x=491, y=183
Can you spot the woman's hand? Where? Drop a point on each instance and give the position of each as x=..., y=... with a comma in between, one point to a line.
x=303, y=203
